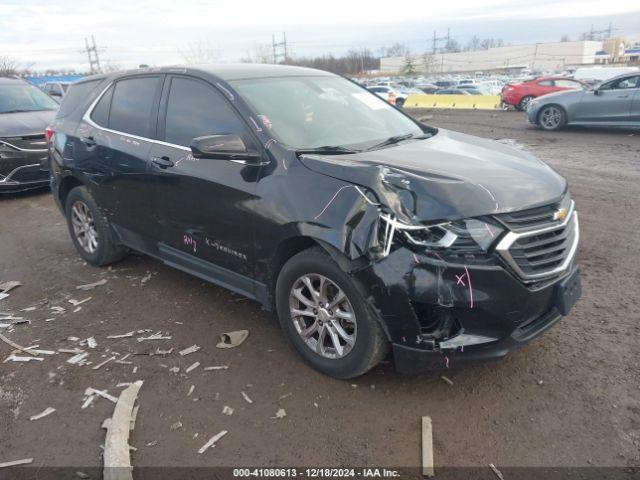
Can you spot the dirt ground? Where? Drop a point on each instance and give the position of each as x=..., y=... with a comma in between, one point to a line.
x=571, y=398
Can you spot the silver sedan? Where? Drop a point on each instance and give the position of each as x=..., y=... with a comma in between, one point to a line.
x=615, y=102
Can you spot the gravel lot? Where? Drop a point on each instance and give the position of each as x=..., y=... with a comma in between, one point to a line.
x=569, y=399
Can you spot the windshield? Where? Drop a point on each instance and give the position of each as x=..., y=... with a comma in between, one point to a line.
x=318, y=111
x=22, y=97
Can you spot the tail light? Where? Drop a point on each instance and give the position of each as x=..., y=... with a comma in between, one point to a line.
x=392, y=98
x=48, y=133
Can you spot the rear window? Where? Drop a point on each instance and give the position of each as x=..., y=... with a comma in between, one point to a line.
x=77, y=94
x=132, y=105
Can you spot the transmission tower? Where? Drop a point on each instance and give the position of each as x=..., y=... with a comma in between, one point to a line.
x=92, y=55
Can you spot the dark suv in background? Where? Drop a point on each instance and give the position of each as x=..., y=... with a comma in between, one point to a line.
x=364, y=229
x=25, y=112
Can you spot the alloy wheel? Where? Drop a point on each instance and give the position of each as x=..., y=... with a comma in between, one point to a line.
x=323, y=316
x=550, y=118
x=84, y=227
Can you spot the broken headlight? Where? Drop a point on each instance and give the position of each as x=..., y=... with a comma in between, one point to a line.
x=459, y=241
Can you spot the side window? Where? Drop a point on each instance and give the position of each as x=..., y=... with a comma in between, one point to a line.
x=195, y=109
x=629, y=82
x=546, y=83
x=568, y=84
x=132, y=105
x=100, y=113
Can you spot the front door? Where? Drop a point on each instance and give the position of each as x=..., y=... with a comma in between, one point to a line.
x=610, y=103
x=203, y=206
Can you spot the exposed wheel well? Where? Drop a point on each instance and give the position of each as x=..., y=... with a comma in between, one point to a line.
x=67, y=184
x=287, y=249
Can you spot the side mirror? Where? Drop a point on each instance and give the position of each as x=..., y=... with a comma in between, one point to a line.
x=222, y=147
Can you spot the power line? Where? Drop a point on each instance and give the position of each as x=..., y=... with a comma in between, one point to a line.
x=280, y=48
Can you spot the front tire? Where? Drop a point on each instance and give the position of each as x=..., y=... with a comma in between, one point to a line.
x=89, y=229
x=325, y=317
x=552, y=117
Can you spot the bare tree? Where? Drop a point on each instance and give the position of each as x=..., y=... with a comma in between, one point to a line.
x=565, y=38
x=428, y=61
x=260, y=53
x=200, y=51
x=8, y=66
x=397, y=50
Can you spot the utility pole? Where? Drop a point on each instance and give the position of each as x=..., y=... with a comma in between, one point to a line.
x=92, y=55
x=278, y=46
x=437, y=39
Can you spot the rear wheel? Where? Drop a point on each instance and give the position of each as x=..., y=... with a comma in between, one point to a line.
x=325, y=317
x=89, y=229
x=552, y=117
x=400, y=102
x=524, y=101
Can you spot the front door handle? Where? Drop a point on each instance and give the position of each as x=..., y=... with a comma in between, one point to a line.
x=623, y=96
x=162, y=162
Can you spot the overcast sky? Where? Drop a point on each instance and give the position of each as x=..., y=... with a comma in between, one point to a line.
x=128, y=33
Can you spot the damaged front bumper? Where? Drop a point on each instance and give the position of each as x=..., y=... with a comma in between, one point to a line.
x=22, y=170
x=438, y=315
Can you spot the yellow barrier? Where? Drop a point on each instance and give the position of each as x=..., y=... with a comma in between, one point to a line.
x=479, y=102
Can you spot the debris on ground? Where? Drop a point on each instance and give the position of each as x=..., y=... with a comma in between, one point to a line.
x=446, y=379
x=188, y=350
x=14, y=463
x=153, y=443
x=91, y=286
x=281, y=413
x=10, y=321
x=192, y=367
x=282, y=397
x=175, y=426
x=427, y=447
x=496, y=471
x=102, y=364
x=16, y=358
x=226, y=410
x=76, y=303
x=16, y=346
x=232, y=339
x=191, y=389
x=124, y=335
x=91, y=342
x=217, y=367
x=117, y=460
x=101, y=393
x=82, y=475
x=44, y=413
x=212, y=441
x=156, y=336
x=6, y=287
x=78, y=359
x=246, y=397
x=28, y=309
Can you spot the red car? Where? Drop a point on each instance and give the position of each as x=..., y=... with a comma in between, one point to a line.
x=520, y=94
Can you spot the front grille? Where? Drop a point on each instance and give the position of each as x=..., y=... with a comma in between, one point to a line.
x=534, y=217
x=544, y=251
x=27, y=142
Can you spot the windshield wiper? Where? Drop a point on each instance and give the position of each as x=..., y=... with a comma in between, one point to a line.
x=397, y=139
x=329, y=149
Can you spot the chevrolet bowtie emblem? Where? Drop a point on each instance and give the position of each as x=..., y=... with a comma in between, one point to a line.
x=560, y=214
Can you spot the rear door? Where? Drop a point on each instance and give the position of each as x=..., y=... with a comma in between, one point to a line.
x=611, y=103
x=204, y=206
x=117, y=138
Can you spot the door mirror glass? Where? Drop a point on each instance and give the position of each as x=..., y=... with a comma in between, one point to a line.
x=222, y=147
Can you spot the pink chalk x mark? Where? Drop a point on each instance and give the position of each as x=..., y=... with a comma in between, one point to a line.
x=446, y=362
x=460, y=279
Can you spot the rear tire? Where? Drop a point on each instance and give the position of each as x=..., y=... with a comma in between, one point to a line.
x=400, y=102
x=368, y=345
x=524, y=101
x=89, y=229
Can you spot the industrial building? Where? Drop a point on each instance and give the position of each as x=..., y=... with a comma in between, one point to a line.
x=538, y=57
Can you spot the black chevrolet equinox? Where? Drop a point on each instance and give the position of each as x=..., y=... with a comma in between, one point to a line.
x=365, y=230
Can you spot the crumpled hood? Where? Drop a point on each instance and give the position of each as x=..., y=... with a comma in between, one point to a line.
x=447, y=177
x=25, y=123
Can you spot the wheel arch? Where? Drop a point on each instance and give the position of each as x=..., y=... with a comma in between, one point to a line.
x=67, y=184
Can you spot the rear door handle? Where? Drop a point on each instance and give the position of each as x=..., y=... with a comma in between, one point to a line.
x=88, y=141
x=162, y=162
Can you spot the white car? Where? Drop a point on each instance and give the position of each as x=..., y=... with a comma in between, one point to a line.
x=392, y=95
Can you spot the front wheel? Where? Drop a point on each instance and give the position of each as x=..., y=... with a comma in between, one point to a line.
x=552, y=118
x=325, y=317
